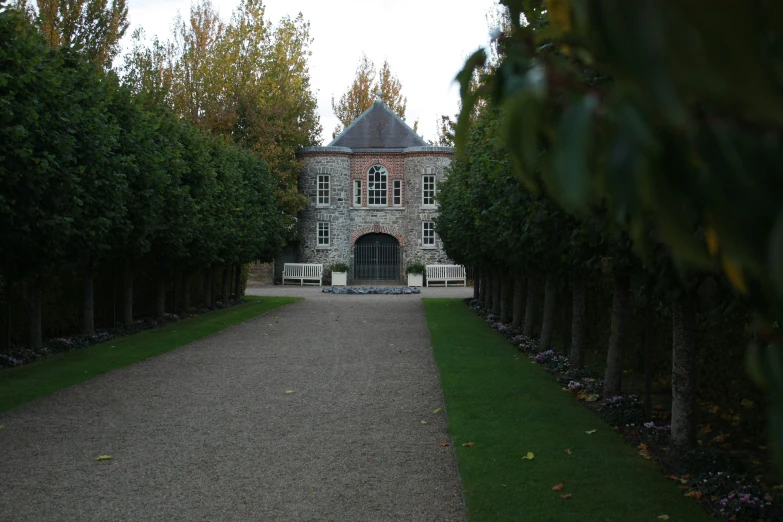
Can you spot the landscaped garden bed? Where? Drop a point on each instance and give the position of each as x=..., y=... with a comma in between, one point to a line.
x=710, y=474
x=28, y=382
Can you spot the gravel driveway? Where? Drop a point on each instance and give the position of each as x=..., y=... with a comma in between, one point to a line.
x=208, y=432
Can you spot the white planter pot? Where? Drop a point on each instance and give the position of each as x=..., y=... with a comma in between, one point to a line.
x=339, y=278
x=415, y=279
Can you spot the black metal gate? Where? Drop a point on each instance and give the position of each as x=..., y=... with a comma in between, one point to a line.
x=376, y=256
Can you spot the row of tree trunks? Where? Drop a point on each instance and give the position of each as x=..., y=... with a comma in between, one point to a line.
x=519, y=300
x=238, y=282
x=36, y=311
x=566, y=309
x=684, y=355
x=613, y=378
x=88, y=317
x=548, y=324
x=506, y=296
x=483, y=288
x=530, y=307
x=578, y=324
x=497, y=285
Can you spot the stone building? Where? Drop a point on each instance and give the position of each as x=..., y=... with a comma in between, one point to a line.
x=372, y=198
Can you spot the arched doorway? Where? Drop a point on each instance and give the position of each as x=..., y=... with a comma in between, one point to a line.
x=376, y=257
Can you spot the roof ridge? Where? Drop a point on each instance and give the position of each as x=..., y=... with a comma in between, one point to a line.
x=411, y=138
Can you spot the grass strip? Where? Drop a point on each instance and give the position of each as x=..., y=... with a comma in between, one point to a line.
x=496, y=398
x=32, y=381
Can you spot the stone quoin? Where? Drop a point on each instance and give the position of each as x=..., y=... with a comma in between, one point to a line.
x=373, y=184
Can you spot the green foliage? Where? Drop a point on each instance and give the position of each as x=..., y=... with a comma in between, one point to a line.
x=415, y=267
x=339, y=267
x=95, y=172
x=674, y=141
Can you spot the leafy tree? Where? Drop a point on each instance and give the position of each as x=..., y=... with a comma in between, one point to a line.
x=667, y=135
x=94, y=27
x=361, y=94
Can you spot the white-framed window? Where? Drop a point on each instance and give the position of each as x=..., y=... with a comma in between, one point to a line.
x=427, y=234
x=376, y=186
x=323, y=190
x=357, y=193
x=323, y=234
x=397, y=192
x=428, y=191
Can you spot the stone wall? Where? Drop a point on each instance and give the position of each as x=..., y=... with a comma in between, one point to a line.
x=348, y=223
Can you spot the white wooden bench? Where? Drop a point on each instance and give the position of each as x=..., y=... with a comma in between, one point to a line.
x=304, y=272
x=446, y=274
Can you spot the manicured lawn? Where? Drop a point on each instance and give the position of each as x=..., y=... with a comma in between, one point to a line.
x=26, y=383
x=496, y=398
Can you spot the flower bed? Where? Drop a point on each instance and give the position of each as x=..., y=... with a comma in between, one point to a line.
x=21, y=355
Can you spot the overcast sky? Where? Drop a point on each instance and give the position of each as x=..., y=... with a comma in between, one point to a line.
x=425, y=41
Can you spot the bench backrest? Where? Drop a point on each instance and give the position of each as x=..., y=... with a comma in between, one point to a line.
x=445, y=272
x=303, y=270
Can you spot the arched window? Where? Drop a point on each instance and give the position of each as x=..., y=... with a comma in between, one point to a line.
x=376, y=185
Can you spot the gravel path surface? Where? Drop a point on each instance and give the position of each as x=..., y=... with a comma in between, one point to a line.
x=208, y=432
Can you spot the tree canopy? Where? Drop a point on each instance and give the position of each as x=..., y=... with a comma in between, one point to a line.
x=360, y=95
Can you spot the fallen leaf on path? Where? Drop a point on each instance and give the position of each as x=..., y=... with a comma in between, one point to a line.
x=468, y=444
x=104, y=457
x=361, y=393
x=290, y=391
x=569, y=452
x=444, y=444
x=695, y=494
x=424, y=422
x=663, y=517
x=590, y=432
x=567, y=496
x=529, y=456
x=438, y=410
x=1, y=426
x=559, y=487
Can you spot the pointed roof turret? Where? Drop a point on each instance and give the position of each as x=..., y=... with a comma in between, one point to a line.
x=378, y=128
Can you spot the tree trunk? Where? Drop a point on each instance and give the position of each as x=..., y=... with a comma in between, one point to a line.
x=36, y=301
x=548, y=325
x=7, y=312
x=238, y=293
x=506, y=296
x=684, y=354
x=127, y=292
x=186, y=290
x=226, y=290
x=530, y=306
x=483, y=287
x=497, y=292
x=567, y=310
x=208, y=288
x=578, y=325
x=88, y=317
x=649, y=333
x=160, y=303
x=519, y=300
x=490, y=288
x=613, y=378
x=476, y=284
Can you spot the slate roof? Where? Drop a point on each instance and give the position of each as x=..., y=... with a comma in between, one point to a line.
x=378, y=128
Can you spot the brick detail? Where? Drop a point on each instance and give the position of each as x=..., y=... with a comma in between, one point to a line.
x=377, y=229
x=395, y=167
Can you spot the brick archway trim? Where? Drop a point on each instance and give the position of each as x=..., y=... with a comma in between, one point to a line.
x=376, y=229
